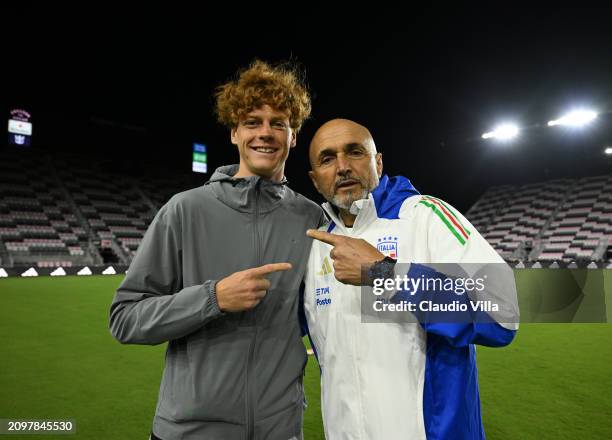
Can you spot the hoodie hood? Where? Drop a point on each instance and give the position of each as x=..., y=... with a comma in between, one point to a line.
x=390, y=194
x=246, y=194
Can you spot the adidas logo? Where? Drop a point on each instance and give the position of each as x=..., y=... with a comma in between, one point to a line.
x=326, y=268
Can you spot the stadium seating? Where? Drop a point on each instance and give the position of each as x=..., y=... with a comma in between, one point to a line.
x=62, y=210
x=556, y=221
x=66, y=210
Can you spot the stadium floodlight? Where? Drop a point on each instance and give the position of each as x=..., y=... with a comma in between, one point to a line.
x=502, y=132
x=576, y=118
x=608, y=151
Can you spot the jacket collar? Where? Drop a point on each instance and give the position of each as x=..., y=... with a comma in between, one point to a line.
x=246, y=194
x=384, y=201
x=364, y=209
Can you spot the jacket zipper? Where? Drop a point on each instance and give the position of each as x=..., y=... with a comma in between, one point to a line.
x=249, y=381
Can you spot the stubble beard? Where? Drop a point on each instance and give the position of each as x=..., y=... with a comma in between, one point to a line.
x=345, y=202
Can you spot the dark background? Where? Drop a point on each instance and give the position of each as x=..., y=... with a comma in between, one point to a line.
x=135, y=87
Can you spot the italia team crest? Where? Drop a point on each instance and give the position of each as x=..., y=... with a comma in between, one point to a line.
x=387, y=246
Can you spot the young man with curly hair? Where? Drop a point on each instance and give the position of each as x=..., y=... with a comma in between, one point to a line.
x=217, y=276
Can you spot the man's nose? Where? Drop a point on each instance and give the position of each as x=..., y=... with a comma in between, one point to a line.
x=265, y=131
x=344, y=165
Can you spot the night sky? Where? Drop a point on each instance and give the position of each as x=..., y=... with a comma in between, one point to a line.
x=137, y=85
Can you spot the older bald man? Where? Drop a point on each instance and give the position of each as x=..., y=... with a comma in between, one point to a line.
x=393, y=380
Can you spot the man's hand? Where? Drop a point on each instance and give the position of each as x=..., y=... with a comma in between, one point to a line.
x=245, y=289
x=350, y=255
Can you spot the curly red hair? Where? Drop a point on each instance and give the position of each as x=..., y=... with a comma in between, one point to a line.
x=280, y=87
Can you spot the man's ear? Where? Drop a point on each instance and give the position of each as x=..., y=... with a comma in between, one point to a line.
x=379, y=164
x=314, y=181
x=293, y=141
x=233, y=136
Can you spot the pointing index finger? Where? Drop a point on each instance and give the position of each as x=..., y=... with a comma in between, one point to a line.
x=270, y=268
x=325, y=237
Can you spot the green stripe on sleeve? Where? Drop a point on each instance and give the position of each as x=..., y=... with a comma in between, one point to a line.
x=446, y=222
x=452, y=213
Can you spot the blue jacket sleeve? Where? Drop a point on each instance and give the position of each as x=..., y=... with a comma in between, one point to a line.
x=450, y=315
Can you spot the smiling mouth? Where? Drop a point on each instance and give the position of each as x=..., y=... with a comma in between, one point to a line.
x=264, y=150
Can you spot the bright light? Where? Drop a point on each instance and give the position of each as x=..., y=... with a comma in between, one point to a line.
x=502, y=132
x=576, y=118
x=608, y=151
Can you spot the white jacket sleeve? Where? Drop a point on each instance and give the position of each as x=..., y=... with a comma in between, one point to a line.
x=453, y=241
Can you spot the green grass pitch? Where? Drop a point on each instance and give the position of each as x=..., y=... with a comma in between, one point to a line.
x=58, y=360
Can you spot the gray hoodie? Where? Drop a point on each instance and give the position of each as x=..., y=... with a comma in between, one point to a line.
x=227, y=375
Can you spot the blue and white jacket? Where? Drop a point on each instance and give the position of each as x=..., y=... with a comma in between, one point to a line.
x=387, y=381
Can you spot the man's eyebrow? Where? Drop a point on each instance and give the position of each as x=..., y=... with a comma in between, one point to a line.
x=326, y=152
x=347, y=147
x=353, y=145
x=259, y=118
